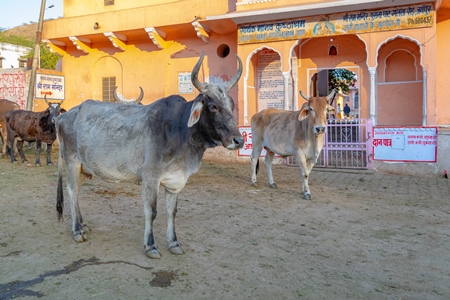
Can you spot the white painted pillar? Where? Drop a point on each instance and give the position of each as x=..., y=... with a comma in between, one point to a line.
x=296, y=92
x=372, y=95
x=286, y=77
x=424, y=98
x=245, y=101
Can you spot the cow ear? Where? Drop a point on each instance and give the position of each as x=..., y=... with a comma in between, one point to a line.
x=304, y=112
x=330, y=110
x=195, y=113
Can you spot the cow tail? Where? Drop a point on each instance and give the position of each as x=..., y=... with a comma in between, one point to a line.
x=59, y=193
x=60, y=199
x=257, y=166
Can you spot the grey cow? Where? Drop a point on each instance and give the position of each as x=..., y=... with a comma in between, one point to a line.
x=159, y=144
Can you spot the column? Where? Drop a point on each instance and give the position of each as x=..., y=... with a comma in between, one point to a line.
x=245, y=101
x=286, y=78
x=372, y=95
x=424, y=98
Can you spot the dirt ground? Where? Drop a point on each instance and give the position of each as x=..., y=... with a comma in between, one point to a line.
x=362, y=236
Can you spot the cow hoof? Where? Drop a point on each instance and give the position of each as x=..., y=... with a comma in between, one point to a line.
x=85, y=228
x=273, y=185
x=254, y=184
x=307, y=196
x=153, y=253
x=49, y=164
x=80, y=237
x=37, y=165
x=176, y=250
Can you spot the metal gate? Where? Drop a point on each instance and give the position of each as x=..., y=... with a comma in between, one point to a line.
x=347, y=145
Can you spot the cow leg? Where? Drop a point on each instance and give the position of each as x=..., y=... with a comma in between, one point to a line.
x=4, y=139
x=171, y=205
x=268, y=161
x=305, y=168
x=10, y=152
x=19, y=145
x=74, y=180
x=38, y=153
x=256, y=152
x=149, y=197
x=49, y=152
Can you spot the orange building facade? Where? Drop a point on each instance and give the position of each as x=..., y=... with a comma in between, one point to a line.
x=397, y=53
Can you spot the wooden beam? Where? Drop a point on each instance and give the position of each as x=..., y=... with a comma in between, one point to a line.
x=202, y=31
x=117, y=40
x=157, y=36
x=56, y=46
x=82, y=44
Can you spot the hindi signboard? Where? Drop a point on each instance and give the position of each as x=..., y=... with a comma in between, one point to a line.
x=51, y=86
x=271, y=81
x=246, y=150
x=405, y=144
x=184, y=83
x=411, y=16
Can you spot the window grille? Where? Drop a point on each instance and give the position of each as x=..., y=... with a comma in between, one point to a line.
x=109, y=2
x=108, y=85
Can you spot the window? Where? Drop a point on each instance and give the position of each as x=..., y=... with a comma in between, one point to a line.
x=109, y=2
x=108, y=85
x=356, y=101
x=22, y=63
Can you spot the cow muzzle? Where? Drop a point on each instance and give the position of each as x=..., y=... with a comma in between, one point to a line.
x=236, y=143
x=318, y=130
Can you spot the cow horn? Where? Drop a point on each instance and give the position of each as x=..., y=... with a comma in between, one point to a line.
x=303, y=95
x=236, y=76
x=194, y=76
x=46, y=101
x=330, y=95
x=141, y=96
x=137, y=101
x=116, y=97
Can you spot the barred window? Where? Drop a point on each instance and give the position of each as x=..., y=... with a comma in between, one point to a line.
x=108, y=85
x=109, y=2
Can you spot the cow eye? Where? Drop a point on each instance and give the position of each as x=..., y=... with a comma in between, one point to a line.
x=212, y=107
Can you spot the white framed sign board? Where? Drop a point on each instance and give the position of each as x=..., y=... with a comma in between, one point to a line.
x=246, y=150
x=51, y=86
x=405, y=144
x=185, y=83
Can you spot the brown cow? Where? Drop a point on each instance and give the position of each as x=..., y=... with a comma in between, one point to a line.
x=291, y=133
x=32, y=127
x=5, y=107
